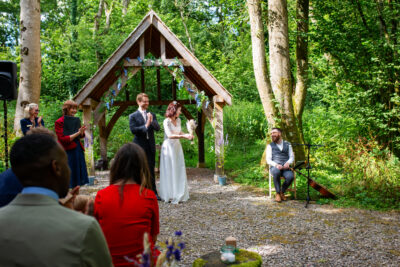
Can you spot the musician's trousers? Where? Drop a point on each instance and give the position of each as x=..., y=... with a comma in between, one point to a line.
x=277, y=174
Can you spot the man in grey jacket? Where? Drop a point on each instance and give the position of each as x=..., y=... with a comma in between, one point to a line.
x=279, y=157
x=36, y=229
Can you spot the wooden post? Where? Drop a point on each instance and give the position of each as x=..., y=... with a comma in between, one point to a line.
x=219, y=138
x=158, y=84
x=142, y=80
x=87, y=121
x=162, y=47
x=173, y=88
x=200, y=135
x=103, y=139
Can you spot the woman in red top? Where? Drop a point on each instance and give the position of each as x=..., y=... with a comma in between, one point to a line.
x=128, y=208
x=73, y=146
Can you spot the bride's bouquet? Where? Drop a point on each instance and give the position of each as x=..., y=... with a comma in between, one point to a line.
x=191, y=127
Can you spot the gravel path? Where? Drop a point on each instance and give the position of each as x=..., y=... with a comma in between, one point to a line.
x=285, y=234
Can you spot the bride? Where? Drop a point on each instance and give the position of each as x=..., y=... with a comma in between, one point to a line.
x=173, y=181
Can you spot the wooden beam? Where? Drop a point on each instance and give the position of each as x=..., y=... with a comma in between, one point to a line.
x=156, y=63
x=142, y=84
x=114, y=119
x=208, y=78
x=186, y=113
x=124, y=79
x=103, y=137
x=141, y=44
x=158, y=84
x=87, y=121
x=200, y=139
x=162, y=48
x=113, y=60
x=173, y=85
x=219, y=146
x=155, y=102
x=208, y=111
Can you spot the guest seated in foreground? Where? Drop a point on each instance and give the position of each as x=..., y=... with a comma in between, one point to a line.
x=31, y=119
x=37, y=231
x=128, y=208
x=10, y=186
x=279, y=157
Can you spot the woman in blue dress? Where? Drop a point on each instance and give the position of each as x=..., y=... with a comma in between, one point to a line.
x=73, y=146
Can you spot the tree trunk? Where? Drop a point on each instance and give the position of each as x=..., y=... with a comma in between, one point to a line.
x=260, y=63
x=181, y=8
x=30, y=69
x=281, y=80
x=125, y=4
x=97, y=19
x=300, y=92
x=260, y=66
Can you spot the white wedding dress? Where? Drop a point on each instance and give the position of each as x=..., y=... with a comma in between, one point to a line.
x=173, y=180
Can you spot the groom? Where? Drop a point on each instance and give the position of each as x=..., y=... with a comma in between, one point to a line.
x=143, y=124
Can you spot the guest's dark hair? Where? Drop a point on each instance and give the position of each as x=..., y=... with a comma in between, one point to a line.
x=130, y=163
x=278, y=129
x=172, y=109
x=29, y=156
x=42, y=130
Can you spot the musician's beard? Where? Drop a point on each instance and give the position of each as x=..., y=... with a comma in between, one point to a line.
x=275, y=139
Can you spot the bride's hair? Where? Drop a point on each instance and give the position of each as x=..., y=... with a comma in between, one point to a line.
x=130, y=164
x=172, y=109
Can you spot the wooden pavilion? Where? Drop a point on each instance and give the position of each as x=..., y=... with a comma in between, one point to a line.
x=153, y=37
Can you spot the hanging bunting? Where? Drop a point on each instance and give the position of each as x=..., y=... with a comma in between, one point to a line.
x=180, y=85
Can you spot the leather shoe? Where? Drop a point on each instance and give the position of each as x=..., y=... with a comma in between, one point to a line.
x=283, y=197
x=278, y=198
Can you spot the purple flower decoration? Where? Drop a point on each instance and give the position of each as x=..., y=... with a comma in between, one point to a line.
x=180, y=85
x=190, y=90
x=126, y=73
x=112, y=101
x=177, y=254
x=221, y=141
x=178, y=233
x=182, y=68
x=140, y=60
x=171, y=64
x=207, y=103
x=86, y=142
x=113, y=92
x=226, y=139
x=108, y=105
x=169, y=251
x=128, y=59
x=181, y=245
x=119, y=85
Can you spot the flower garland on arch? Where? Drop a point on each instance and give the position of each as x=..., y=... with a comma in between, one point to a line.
x=177, y=69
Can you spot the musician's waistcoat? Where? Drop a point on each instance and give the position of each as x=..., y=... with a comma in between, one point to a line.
x=279, y=156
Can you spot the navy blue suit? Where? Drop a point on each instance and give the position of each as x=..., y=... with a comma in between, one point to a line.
x=144, y=137
x=10, y=187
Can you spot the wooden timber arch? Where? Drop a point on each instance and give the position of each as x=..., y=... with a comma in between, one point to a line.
x=154, y=37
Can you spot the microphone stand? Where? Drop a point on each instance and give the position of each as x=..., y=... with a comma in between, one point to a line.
x=5, y=134
x=308, y=168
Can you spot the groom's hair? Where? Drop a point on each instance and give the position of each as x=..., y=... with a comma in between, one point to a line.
x=140, y=96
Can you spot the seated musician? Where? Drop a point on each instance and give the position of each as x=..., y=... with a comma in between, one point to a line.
x=279, y=157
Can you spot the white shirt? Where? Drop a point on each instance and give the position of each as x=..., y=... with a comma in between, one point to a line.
x=280, y=146
x=143, y=113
